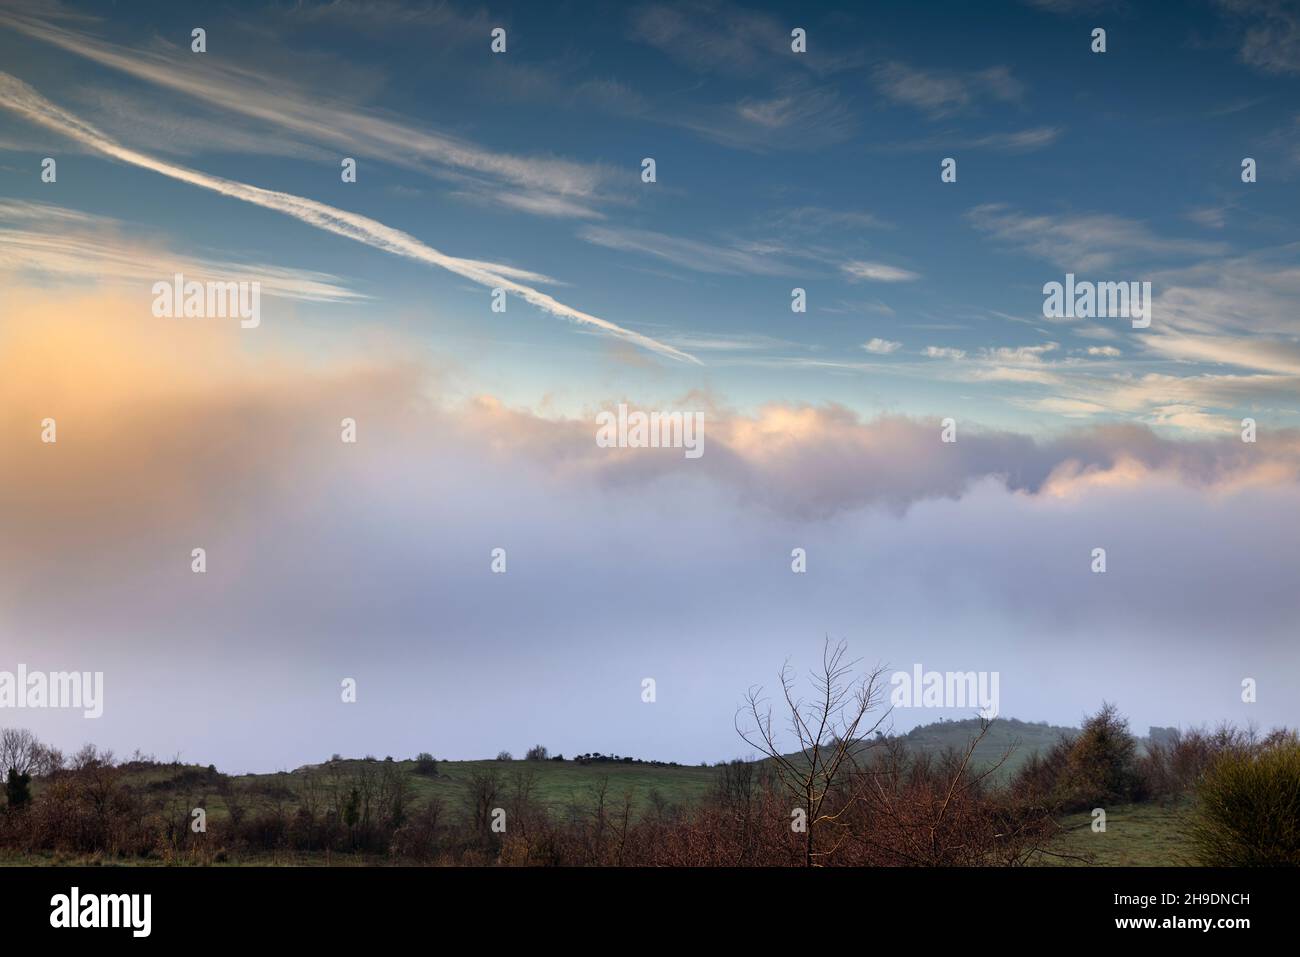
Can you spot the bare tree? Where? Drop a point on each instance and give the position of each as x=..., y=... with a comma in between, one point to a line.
x=49, y=761
x=92, y=757
x=19, y=750
x=828, y=731
x=234, y=797
x=590, y=818
x=393, y=796
x=480, y=798
x=622, y=827
x=928, y=810
x=522, y=800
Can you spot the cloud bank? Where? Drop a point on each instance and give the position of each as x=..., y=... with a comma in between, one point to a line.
x=371, y=561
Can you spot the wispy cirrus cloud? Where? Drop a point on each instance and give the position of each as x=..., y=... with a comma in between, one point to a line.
x=714, y=36
x=1266, y=355
x=795, y=116
x=384, y=16
x=1081, y=241
x=692, y=254
x=1014, y=141
x=23, y=100
x=1269, y=33
x=746, y=343
x=1237, y=312
x=739, y=44
x=539, y=184
x=54, y=243
x=860, y=270
x=942, y=93
x=820, y=218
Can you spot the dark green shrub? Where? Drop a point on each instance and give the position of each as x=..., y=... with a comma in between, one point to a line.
x=1248, y=809
x=1096, y=768
x=18, y=789
x=426, y=764
x=1101, y=766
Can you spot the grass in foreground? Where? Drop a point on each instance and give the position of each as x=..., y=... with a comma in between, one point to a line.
x=1136, y=835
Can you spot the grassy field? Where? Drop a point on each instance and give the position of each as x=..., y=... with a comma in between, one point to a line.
x=557, y=784
x=1137, y=835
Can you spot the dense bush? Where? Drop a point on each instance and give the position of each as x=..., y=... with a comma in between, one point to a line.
x=1096, y=768
x=1101, y=768
x=18, y=791
x=1248, y=808
x=1175, y=762
x=426, y=764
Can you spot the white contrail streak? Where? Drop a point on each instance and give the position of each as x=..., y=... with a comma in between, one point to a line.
x=17, y=96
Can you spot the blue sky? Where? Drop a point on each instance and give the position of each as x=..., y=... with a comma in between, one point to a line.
x=774, y=170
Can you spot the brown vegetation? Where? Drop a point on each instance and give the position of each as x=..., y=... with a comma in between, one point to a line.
x=840, y=797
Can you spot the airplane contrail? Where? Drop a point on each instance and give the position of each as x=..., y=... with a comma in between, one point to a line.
x=17, y=96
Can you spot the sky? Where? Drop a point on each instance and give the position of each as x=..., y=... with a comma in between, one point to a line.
x=523, y=170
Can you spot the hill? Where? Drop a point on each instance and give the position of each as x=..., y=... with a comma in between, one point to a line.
x=1008, y=741
x=1020, y=738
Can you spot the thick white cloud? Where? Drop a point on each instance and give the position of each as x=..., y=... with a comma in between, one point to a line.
x=372, y=560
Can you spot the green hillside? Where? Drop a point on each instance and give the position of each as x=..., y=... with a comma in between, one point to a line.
x=1019, y=738
x=1008, y=741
